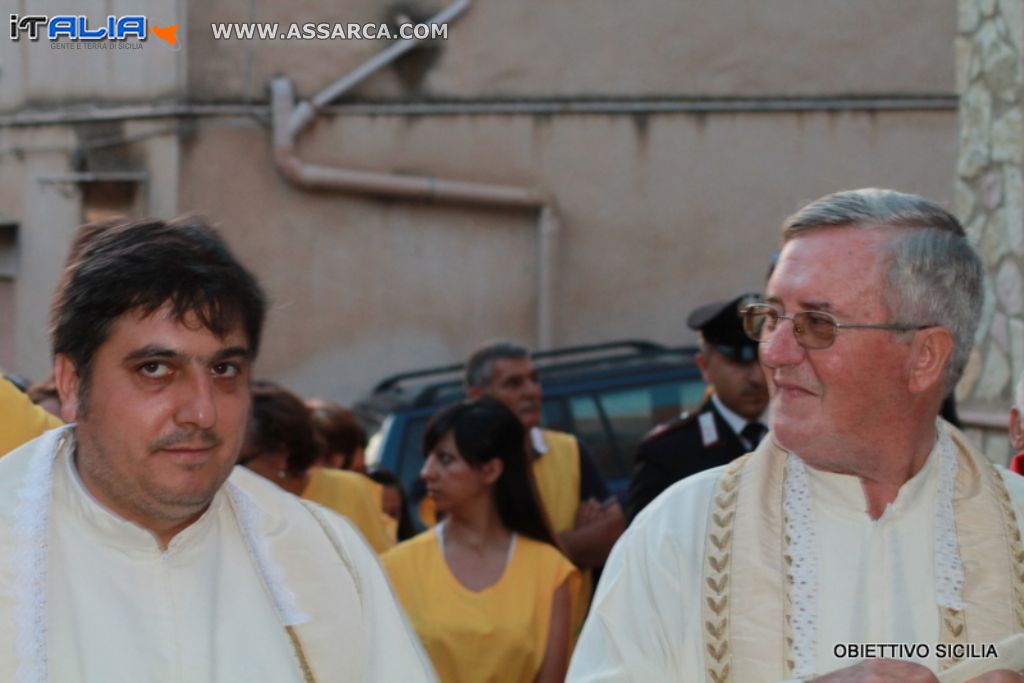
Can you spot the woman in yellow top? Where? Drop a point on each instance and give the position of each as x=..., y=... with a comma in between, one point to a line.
x=20, y=419
x=282, y=446
x=487, y=589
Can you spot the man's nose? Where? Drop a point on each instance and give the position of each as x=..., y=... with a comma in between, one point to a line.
x=196, y=405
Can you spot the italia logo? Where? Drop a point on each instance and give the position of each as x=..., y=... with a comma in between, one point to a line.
x=80, y=27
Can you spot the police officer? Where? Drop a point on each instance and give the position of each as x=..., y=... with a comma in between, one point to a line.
x=728, y=423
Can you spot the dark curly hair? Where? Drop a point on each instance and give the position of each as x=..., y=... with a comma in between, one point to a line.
x=141, y=266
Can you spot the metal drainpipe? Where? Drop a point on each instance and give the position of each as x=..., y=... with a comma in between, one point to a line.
x=288, y=120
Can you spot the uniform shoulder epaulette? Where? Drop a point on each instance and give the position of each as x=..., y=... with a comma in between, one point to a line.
x=664, y=428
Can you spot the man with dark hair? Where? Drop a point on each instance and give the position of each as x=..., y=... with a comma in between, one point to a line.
x=587, y=519
x=728, y=423
x=864, y=539
x=140, y=552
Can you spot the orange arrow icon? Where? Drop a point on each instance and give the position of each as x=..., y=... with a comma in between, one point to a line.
x=168, y=34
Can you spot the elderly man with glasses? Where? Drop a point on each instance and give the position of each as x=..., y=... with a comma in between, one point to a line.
x=864, y=540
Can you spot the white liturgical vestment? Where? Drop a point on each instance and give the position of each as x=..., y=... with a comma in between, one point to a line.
x=262, y=587
x=697, y=590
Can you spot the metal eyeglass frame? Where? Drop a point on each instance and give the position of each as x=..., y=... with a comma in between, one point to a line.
x=800, y=328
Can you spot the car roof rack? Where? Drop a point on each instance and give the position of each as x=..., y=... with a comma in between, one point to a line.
x=591, y=351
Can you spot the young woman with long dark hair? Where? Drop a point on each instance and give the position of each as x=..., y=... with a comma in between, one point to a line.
x=487, y=590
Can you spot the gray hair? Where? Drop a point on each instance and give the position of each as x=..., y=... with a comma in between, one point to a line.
x=934, y=277
x=480, y=366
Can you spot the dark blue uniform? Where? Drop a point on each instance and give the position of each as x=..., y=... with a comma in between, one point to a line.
x=675, y=450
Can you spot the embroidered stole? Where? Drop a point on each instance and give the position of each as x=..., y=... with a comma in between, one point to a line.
x=312, y=631
x=752, y=587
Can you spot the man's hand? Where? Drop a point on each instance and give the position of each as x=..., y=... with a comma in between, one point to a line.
x=883, y=671
x=895, y=671
x=598, y=526
x=588, y=512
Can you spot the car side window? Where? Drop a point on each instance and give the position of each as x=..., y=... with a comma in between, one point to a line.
x=593, y=429
x=411, y=454
x=612, y=423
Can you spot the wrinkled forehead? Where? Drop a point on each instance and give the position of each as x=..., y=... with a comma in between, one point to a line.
x=830, y=269
x=505, y=368
x=170, y=327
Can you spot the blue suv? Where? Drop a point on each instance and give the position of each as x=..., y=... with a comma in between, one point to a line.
x=609, y=395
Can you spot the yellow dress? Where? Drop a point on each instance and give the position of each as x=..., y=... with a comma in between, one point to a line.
x=20, y=419
x=499, y=634
x=355, y=496
x=557, y=474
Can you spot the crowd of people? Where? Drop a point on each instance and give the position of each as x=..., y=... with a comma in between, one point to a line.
x=815, y=507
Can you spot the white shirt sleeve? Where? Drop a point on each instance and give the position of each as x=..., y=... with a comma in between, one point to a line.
x=645, y=620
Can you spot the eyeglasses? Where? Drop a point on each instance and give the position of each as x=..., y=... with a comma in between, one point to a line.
x=812, y=329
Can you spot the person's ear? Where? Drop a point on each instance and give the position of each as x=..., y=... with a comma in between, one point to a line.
x=930, y=355
x=473, y=393
x=491, y=470
x=1016, y=429
x=702, y=365
x=68, y=384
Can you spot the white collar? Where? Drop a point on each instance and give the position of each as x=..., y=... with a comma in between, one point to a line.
x=540, y=446
x=802, y=550
x=843, y=494
x=111, y=528
x=31, y=528
x=735, y=421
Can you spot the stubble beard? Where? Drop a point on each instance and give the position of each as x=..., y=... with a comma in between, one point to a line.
x=140, y=500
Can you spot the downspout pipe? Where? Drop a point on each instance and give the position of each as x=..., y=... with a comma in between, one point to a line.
x=315, y=176
x=305, y=112
x=287, y=121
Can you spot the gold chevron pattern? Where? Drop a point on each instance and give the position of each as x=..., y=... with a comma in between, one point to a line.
x=1016, y=546
x=717, y=562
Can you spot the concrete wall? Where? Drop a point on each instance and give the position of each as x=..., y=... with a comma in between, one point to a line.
x=39, y=83
x=36, y=75
x=660, y=211
x=658, y=218
x=990, y=201
x=534, y=48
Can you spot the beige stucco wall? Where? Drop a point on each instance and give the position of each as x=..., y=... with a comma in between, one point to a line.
x=48, y=212
x=34, y=75
x=535, y=48
x=657, y=219
x=660, y=212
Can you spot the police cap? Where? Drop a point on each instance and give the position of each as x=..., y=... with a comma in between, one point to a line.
x=722, y=327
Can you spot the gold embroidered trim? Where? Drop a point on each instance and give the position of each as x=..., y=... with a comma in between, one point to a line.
x=717, y=562
x=954, y=630
x=293, y=637
x=787, y=603
x=1016, y=546
x=300, y=654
